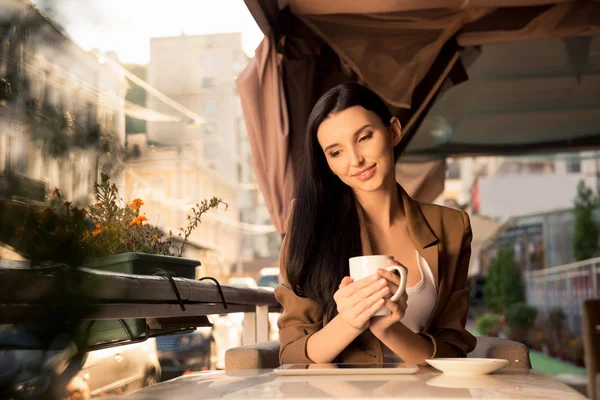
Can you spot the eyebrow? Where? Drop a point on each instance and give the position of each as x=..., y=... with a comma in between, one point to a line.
x=359, y=130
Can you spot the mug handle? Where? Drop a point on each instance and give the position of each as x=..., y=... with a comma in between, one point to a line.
x=403, y=275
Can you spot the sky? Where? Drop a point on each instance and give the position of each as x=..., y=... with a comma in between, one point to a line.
x=126, y=26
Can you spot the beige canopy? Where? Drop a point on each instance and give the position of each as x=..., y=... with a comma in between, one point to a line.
x=464, y=77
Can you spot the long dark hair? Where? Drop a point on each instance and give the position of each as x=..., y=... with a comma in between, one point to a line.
x=324, y=231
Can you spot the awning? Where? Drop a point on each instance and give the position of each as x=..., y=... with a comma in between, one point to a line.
x=463, y=77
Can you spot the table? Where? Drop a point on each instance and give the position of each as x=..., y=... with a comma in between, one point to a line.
x=428, y=383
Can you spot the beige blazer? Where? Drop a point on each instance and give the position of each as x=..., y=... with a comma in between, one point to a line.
x=443, y=237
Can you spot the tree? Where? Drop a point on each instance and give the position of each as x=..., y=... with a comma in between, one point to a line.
x=587, y=233
x=503, y=286
x=136, y=95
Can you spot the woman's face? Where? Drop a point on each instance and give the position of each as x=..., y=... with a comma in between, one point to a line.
x=359, y=147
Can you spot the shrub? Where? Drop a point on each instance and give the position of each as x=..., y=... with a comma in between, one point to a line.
x=586, y=234
x=521, y=317
x=489, y=324
x=503, y=286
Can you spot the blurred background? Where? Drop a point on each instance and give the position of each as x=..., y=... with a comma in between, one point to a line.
x=145, y=92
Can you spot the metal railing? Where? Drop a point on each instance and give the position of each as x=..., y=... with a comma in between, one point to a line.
x=565, y=287
x=28, y=294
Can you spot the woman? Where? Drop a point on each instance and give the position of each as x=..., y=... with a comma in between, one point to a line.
x=347, y=203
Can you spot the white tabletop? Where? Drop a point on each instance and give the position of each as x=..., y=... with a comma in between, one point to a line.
x=426, y=384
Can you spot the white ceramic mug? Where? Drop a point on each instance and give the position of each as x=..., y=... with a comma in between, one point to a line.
x=363, y=266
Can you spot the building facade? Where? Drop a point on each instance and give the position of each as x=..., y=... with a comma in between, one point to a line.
x=214, y=149
x=504, y=187
x=62, y=117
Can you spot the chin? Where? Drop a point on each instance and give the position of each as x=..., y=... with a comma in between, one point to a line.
x=372, y=185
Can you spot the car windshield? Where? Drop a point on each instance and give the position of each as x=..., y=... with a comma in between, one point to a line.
x=268, y=281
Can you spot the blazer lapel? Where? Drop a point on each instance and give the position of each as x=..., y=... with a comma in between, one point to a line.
x=423, y=237
x=364, y=235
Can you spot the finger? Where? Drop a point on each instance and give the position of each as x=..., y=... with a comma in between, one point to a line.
x=366, y=303
x=364, y=282
x=364, y=293
x=368, y=313
x=389, y=276
x=345, y=282
x=403, y=300
x=357, y=285
x=392, y=306
x=393, y=288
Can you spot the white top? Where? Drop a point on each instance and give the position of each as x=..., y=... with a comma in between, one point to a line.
x=421, y=299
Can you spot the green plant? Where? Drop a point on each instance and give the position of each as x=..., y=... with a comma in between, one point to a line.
x=503, y=286
x=489, y=324
x=67, y=234
x=521, y=317
x=55, y=234
x=587, y=232
x=576, y=351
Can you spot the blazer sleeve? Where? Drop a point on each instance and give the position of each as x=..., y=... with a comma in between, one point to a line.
x=449, y=336
x=300, y=318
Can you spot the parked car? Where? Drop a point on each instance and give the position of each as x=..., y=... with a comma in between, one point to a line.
x=242, y=281
x=29, y=372
x=117, y=369
x=269, y=278
x=180, y=353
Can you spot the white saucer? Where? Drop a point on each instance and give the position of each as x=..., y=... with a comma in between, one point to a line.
x=467, y=366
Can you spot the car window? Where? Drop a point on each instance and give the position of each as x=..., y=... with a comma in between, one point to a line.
x=268, y=281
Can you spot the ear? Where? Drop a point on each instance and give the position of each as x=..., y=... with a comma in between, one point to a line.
x=395, y=130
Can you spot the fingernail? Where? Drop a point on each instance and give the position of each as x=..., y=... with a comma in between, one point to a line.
x=374, y=277
x=382, y=281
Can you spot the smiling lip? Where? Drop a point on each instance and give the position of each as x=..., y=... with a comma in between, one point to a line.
x=365, y=173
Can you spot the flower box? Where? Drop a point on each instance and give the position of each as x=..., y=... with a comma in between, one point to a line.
x=145, y=264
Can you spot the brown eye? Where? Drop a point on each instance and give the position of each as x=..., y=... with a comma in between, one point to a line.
x=334, y=154
x=366, y=137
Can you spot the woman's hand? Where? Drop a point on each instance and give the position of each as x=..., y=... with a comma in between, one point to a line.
x=378, y=325
x=357, y=301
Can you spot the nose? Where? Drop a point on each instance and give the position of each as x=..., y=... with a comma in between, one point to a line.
x=356, y=159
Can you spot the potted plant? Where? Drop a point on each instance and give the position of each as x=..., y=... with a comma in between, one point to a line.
x=109, y=235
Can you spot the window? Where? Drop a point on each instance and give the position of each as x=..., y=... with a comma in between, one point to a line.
x=573, y=166
x=209, y=128
x=208, y=62
x=208, y=83
x=210, y=106
x=452, y=169
x=211, y=151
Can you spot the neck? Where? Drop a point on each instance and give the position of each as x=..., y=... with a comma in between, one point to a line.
x=383, y=206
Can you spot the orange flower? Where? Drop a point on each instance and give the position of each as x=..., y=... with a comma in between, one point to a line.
x=136, y=204
x=138, y=220
x=154, y=236
x=98, y=204
x=96, y=232
x=97, y=226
